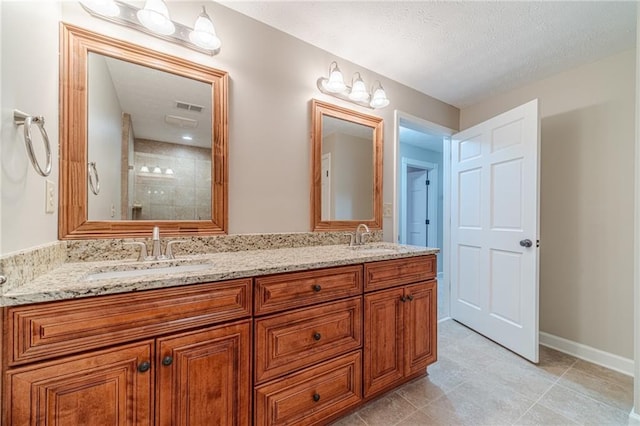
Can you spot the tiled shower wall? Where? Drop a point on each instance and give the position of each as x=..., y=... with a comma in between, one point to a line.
x=183, y=195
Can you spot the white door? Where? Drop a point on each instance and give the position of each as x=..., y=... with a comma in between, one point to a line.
x=494, y=229
x=417, y=207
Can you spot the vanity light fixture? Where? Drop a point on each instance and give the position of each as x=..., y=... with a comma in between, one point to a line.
x=356, y=93
x=204, y=33
x=358, y=89
x=154, y=19
x=155, y=16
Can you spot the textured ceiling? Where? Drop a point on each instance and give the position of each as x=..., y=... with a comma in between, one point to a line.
x=458, y=52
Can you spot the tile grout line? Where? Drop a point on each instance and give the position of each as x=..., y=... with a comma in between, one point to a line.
x=555, y=382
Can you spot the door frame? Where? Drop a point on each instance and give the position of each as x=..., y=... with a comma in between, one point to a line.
x=432, y=199
x=446, y=133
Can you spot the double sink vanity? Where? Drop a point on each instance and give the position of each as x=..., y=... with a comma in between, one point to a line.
x=277, y=331
x=281, y=336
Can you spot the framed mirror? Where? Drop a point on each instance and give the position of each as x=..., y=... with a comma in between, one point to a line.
x=346, y=186
x=143, y=141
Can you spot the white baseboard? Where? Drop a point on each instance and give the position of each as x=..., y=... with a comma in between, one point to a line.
x=588, y=353
x=444, y=319
x=634, y=418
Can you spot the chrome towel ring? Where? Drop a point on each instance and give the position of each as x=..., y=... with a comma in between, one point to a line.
x=93, y=171
x=26, y=120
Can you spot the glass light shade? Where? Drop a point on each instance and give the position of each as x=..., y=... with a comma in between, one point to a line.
x=335, y=83
x=144, y=169
x=102, y=7
x=155, y=16
x=204, y=33
x=157, y=169
x=358, y=90
x=379, y=99
x=168, y=171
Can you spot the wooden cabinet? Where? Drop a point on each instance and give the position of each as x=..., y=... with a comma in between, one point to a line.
x=204, y=377
x=109, y=387
x=308, y=361
x=400, y=324
x=192, y=367
x=310, y=347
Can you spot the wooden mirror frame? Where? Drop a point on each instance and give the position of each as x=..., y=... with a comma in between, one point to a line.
x=318, y=110
x=76, y=43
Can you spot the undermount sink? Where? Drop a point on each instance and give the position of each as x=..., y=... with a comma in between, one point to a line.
x=141, y=270
x=376, y=248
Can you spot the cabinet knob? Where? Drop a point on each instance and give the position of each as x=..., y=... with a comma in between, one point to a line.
x=317, y=287
x=144, y=366
x=167, y=360
x=403, y=299
x=317, y=336
x=316, y=397
x=410, y=297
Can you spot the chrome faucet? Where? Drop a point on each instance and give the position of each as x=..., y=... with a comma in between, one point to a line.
x=156, y=251
x=357, y=238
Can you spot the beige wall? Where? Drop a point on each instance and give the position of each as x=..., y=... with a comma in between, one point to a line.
x=273, y=77
x=586, y=199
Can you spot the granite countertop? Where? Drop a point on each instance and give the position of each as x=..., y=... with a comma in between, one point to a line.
x=74, y=280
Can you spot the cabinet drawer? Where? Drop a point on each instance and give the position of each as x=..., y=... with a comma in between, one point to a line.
x=294, y=290
x=313, y=396
x=48, y=330
x=297, y=339
x=390, y=273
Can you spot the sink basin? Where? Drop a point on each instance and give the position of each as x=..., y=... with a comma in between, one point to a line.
x=141, y=272
x=376, y=249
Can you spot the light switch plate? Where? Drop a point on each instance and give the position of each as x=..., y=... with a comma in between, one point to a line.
x=49, y=193
x=387, y=209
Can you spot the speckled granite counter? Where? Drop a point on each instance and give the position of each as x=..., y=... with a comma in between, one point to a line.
x=72, y=280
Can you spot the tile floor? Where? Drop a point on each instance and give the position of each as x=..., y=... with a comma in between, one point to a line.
x=477, y=382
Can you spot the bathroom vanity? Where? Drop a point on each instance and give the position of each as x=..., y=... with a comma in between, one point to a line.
x=298, y=342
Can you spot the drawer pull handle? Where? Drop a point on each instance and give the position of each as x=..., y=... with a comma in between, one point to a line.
x=316, y=397
x=317, y=287
x=410, y=297
x=317, y=336
x=167, y=360
x=144, y=366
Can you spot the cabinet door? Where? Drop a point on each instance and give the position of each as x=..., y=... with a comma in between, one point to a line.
x=383, y=360
x=420, y=331
x=111, y=387
x=204, y=377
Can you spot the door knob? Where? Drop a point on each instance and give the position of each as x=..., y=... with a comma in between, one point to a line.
x=526, y=243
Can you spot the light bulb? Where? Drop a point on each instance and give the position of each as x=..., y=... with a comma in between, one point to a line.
x=157, y=169
x=144, y=169
x=204, y=33
x=169, y=171
x=335, y=83
x=379, y=98
x=358, y=90
x=155, y=16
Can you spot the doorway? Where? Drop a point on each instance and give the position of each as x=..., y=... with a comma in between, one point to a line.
x=421, y=200
x=420, y=206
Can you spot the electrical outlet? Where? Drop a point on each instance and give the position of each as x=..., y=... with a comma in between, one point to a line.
x=387, y=209
x=49, y=193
